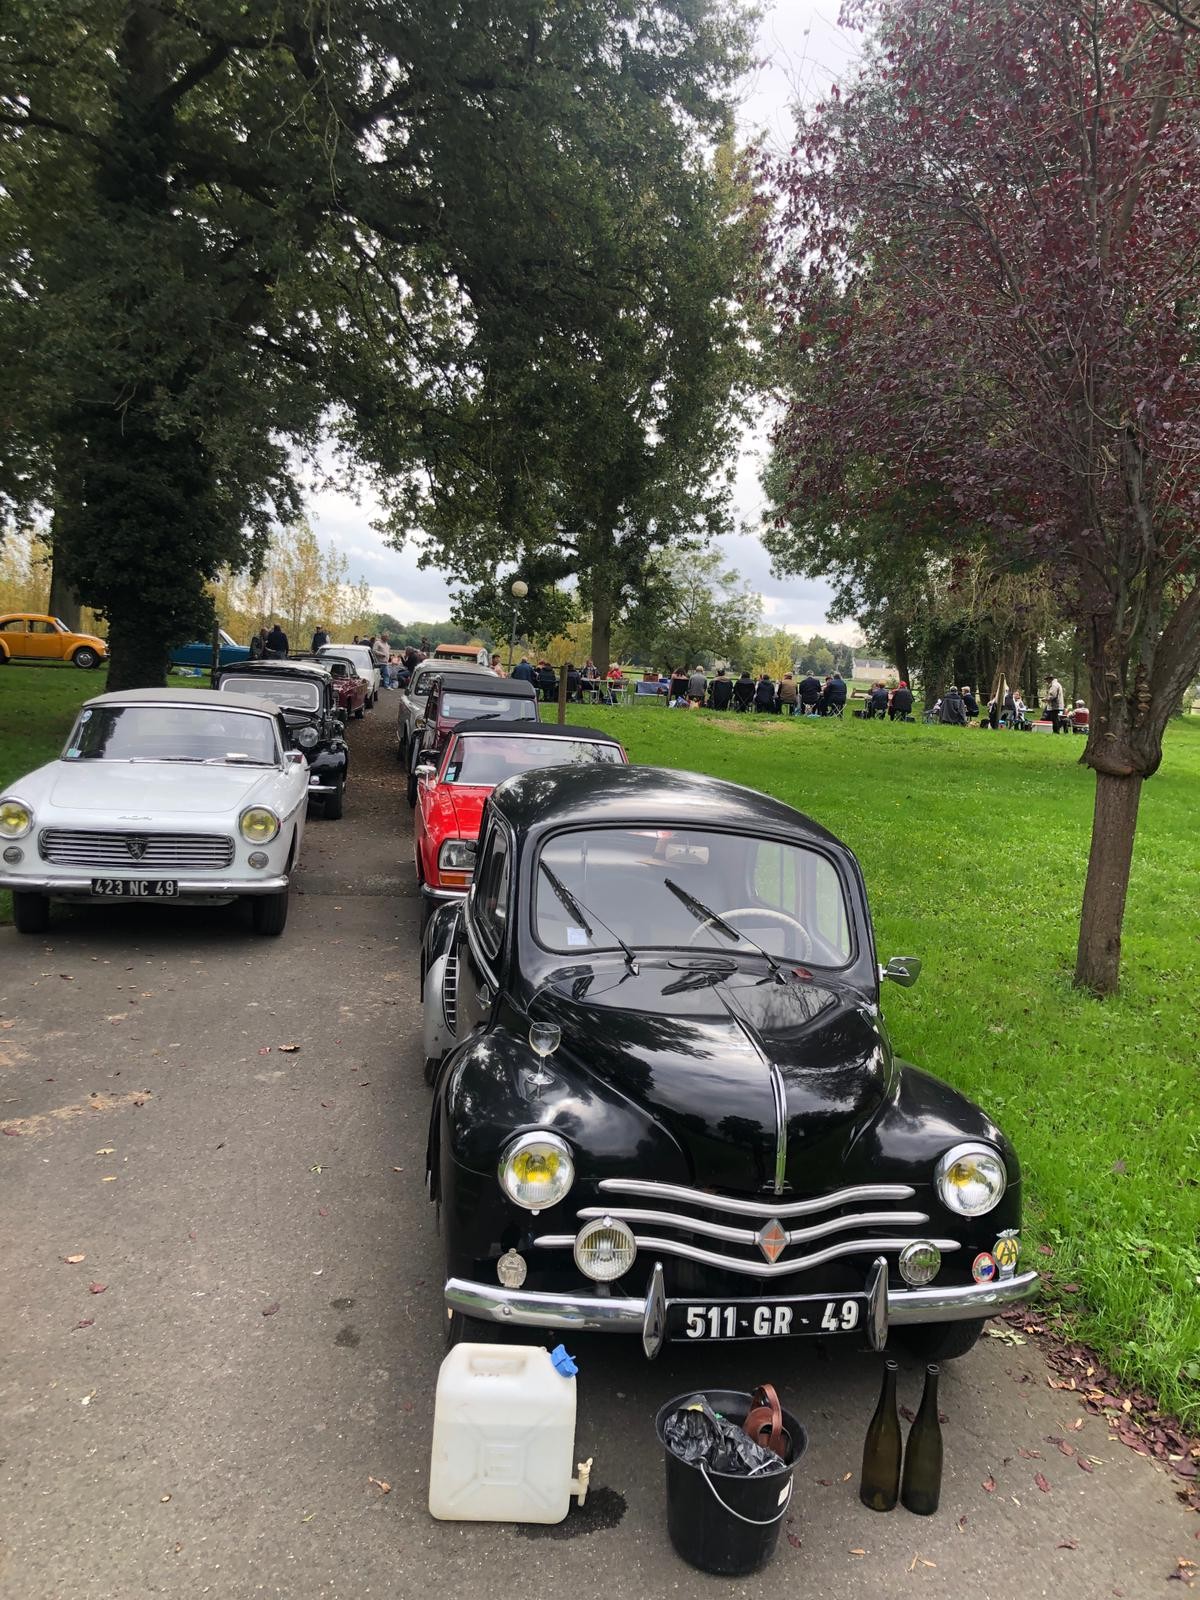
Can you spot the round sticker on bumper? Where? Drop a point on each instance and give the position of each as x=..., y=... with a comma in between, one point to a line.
x=983, y=1268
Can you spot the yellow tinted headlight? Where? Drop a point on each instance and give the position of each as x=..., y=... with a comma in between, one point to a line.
x=971, y=1180
x=258, y=825
x=537, y=1171
x=16, y=819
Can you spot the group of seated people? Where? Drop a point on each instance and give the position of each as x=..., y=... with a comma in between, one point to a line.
x=808, y=697
x=895, y=704
x=582, y=682
x=959, y=708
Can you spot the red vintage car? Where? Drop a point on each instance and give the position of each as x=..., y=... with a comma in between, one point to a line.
x=350, y=687
x=452, y=791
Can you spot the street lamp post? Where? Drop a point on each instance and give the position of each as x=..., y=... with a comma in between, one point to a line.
x=518, y=591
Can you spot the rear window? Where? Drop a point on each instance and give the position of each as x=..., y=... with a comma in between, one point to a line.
x=488, y=759
x=462, y=706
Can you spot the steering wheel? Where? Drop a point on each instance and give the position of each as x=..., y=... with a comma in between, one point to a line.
x=806, y=944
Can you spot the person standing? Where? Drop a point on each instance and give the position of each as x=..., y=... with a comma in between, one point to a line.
x=1054, y=705
x=276, y=644
x=697, y=686
x=320, y=637
x=523, y=672
x=381, y=654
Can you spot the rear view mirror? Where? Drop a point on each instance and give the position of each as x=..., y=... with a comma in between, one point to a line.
x=426, y=769
x=904, y=970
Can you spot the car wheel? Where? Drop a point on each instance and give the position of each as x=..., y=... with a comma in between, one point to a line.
x=402, y=747
x=269, y=913
x=335, y=802
x=941, y=1341
x=86, y=657
x=360, y=712
x=412, y=789
x=31, y=912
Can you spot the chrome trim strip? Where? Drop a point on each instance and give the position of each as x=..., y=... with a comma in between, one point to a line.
x=877, y=1304
x=62, y=888
x=781, y=1132
x=960, y=1304
x=750, y=1269
x=450, y=994
x=527, y=1309
x=762, y=1209
x=430, y=893
x=749, y=1236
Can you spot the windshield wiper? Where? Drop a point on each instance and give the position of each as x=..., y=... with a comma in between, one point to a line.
x=580, y=912
x=231, y=760
x=704, y=913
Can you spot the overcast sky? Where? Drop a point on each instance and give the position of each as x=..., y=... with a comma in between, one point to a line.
x=801, y=51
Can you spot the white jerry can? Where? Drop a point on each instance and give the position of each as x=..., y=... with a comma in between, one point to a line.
x=503, y=1437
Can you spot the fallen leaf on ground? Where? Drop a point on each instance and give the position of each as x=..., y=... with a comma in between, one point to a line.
x=74, y=1260
x=97, y=1288
x=1077, y=1424
x=1030, y=1455
x=1042, y=1482
x=381, y=1485
x=1063, y=1446
x=88, y=1398
x=1084, y=1463
x=269, y=1311
x=1067, y=1544
x=12, y=1133
x=163, y=1498
x=858, y=1552
x=87, y=1322
x=1070, y=1288
x=106, y=1150
x=309, y=1517
x=265, y=1051
x=826, y=1483
x=989, y=1483
x=908, y=1414
x=110, y=1179
x=846, y=1476
x=288, y=1049
x=322, y=1211
x=316, y=1167
x=795, y=1541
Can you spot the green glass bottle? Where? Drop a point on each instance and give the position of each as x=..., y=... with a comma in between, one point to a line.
x=921, y=1486
x=880, y=1483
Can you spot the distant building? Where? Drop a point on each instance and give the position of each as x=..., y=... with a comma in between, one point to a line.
x=872, y=668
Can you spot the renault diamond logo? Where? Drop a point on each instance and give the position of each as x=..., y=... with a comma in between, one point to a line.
x=771, y=1240
x=136, y=844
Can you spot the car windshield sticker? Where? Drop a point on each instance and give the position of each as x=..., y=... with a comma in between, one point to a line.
x=576, y=936
x=73, y=753
x=85, y=716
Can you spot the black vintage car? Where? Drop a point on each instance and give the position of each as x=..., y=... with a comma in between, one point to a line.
x=666, y=1102
x=306, y=695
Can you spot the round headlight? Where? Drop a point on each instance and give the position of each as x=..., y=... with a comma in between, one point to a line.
x=970, y=1179
x=604, y=1249
x=537, y=1171
x=258, y=825
x=306, y=738
x=16, y=819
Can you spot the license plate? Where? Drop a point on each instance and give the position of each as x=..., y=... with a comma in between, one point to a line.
x=136, y=888
x=765, y=1319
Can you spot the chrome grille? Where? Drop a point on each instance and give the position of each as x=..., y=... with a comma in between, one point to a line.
x=901, y=1227
x=450, y=993
x=130, y=849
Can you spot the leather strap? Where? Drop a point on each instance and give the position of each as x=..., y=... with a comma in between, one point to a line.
x=764, y=1422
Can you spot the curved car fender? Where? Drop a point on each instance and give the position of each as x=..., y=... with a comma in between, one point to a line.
x=437, y=1037
x=919, y=1122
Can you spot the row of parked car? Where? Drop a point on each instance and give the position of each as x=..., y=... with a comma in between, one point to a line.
x=665, y=1100
x=194, y=796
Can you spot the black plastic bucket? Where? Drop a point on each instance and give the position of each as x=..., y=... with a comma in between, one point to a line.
x=718, y=1521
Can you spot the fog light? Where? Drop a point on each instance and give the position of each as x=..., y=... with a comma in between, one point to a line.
x=258, y=858
x=511, y=1269
x=919, y=1262
x=604, y=1250
x=13, y=854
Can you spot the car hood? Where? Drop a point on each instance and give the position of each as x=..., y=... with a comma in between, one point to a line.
x=152, y=789
x=697, y=1045
x=461, y=808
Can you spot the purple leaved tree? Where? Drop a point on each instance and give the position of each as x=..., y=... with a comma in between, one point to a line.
x=985, y=264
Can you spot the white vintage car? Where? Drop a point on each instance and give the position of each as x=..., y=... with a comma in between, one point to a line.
x=159, y=795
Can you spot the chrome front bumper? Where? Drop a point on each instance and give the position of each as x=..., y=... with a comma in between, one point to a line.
x=186, y=888
x=603, y=1314
x=430, y=893
x=315, y=786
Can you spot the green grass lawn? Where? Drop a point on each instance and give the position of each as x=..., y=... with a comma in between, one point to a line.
x=974, y=847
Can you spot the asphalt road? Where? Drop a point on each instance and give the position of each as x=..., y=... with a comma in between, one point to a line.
x=198, y=1407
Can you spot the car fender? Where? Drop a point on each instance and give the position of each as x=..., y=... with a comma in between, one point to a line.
x=437, y=1035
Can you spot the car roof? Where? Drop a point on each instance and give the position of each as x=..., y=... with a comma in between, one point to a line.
x=268, y=669
x=619, y=795
x=512, y=688
x=186, y=697
x=510, y=727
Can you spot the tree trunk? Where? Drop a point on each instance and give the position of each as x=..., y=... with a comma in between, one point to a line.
x=1114, y=823
x=900, y=655
x=602, y=617
x=137, y=657
x=64, y=602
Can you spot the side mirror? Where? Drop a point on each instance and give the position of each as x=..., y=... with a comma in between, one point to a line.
x=426, y=769
x=293, y=758
x=904, y=970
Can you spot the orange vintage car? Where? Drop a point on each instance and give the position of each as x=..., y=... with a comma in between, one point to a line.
x=27, y=636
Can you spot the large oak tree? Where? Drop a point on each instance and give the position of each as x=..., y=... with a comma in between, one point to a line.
x=988, y=249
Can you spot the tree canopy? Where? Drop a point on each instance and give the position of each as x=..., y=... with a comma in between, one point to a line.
x=984, y=279
x=236, y=228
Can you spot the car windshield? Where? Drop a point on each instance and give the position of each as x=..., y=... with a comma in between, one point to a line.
x=299, y=694
x=487, y=759
x=357, y=653
x=677, y=888
x=460, y=705
x=172, y=733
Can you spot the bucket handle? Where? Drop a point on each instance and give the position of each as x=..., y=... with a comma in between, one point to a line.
x=754, y=1522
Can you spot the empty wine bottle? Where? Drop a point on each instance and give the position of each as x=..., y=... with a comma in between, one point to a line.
x=921, y=1486
x=880, y=1484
